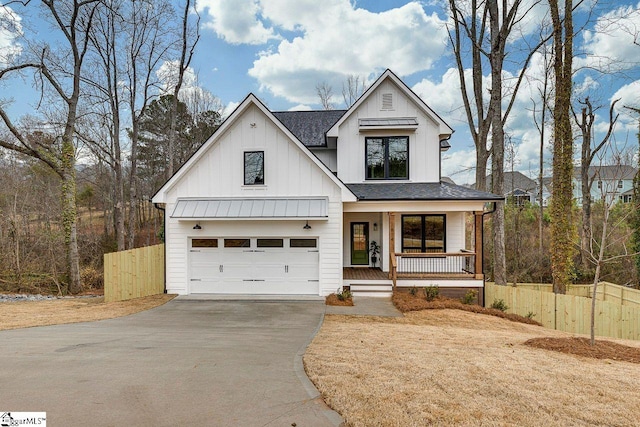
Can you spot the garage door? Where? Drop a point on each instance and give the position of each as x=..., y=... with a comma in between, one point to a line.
x=255, y=265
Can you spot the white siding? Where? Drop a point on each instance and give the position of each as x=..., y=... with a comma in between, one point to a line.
x=424, y=142
x=288, y=172
x=328, y=157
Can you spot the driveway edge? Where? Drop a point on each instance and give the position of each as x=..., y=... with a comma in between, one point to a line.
x=312, y=391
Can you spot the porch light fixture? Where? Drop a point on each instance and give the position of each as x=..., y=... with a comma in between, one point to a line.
x=197, y=227
x=307, y=226
x=375, y=226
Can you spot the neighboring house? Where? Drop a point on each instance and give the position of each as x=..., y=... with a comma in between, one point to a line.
x=613, y=182
x=519, y=189
x=290, y=202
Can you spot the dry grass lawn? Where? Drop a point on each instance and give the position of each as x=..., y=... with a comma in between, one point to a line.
x=25, y=314
x=449, y=367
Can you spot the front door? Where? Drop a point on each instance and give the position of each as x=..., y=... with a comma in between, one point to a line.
x=359, y=243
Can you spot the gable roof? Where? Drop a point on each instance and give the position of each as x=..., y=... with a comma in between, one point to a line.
x=517, y=181
x=310, y=127
x=251, y=99
x=608, y=172
x=444, y=129
x=419, y=191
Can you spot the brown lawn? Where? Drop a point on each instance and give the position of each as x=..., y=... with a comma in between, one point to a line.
x=25, y=314
x=450, y=367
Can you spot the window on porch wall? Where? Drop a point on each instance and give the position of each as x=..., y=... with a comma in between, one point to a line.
x=423, y=233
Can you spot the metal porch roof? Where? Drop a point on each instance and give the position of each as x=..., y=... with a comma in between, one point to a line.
x=233, y=208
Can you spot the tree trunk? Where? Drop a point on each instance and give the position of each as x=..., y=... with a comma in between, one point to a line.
x=561, y=206
x=133, y=184
x=497, y=143
x=70, y=214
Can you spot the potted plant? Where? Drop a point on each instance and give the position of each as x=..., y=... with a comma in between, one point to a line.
x=374, y=249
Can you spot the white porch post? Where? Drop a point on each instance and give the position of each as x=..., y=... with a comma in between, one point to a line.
x=384, y=256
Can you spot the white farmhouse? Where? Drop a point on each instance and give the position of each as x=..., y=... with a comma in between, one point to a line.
x=291, y=203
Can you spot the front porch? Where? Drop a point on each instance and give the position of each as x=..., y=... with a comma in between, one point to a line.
x=412, y=254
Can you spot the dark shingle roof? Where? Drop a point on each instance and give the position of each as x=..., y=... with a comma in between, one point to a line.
x=309, y=126
x=608, y=172
x=418, y=191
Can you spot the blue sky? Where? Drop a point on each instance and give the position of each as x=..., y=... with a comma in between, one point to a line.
x=280, y=50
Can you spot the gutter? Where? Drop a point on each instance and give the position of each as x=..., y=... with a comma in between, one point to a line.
x=495, y=206
x=164, y=227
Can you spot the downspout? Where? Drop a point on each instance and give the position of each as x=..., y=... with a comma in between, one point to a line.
x=164, y=227
x=495, y=205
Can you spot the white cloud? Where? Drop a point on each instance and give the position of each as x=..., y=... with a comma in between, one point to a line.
x=10, y=31
x=197, y=98
x=300, y=107
x=229, y=109
x=336, y=39
x=610, y=46
x=236, y=21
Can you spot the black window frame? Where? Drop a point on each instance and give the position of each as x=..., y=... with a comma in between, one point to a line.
x=245, y=168
x=387, y=168
x=423, y=244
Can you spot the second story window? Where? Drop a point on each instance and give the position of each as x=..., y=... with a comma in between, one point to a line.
x=254, y=168
x=387, y=157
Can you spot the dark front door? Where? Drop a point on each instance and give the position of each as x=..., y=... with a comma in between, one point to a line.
x=359, y=243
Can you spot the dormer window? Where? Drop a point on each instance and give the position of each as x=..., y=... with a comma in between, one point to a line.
x=387, y=157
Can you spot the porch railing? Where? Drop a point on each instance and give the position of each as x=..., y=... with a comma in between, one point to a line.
x=446, y=263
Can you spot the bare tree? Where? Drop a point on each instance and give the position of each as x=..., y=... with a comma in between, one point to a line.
x=562, y=227
x=61, y=72
x=325, y=95
x=541, y=125
x=611, y=245
x=352, y=89
x=588, y=153
x=147, y=48
x=189, y=36
x=481, y=20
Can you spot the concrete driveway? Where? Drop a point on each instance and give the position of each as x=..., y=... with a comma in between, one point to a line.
x=200, y=363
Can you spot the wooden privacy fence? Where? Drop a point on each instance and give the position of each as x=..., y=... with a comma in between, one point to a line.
x=569, y=313
x=134, y=273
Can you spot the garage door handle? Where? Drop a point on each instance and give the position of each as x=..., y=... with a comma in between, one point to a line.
x=194, y=250
x=314, y=251
x=258, y=280
x=196, y=280
x=313, y=280
x=222, y=269
x=286, y=268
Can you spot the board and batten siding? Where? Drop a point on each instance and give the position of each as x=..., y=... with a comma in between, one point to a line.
x=289, y=172
x=424, y=142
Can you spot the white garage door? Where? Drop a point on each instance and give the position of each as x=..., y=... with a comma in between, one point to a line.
x=256, y=265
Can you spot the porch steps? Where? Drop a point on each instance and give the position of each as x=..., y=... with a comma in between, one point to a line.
x=371, y=289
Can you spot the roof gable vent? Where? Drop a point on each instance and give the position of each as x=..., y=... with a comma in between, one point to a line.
x=387, y=101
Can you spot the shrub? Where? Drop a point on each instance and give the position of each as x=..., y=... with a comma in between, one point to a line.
x=91, y=277
x=469, y=297
x=530, y=315
x=499, y=304
x=431, y=292
x=344, y=295
x=413, y=291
